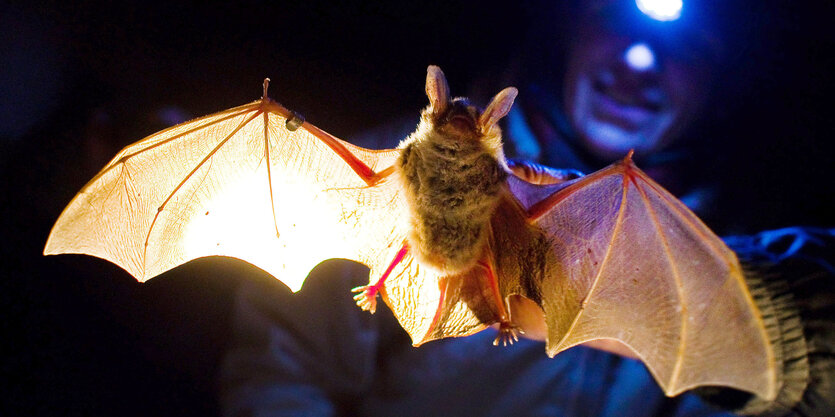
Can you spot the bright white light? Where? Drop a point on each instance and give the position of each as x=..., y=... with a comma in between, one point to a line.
x=639, y=57
x=238, y=222
x=663, y=10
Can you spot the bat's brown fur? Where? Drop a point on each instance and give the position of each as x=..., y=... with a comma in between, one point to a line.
x=452, y=168
x=452, y=184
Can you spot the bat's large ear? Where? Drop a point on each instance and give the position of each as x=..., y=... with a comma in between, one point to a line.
x=437, y=89
x=498, y=107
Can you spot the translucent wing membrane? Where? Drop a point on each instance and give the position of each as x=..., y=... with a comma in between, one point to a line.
x=622, y=240
x=236, y=183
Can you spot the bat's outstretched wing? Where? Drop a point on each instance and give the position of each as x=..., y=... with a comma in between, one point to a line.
x=254, y=182
x=628, y=261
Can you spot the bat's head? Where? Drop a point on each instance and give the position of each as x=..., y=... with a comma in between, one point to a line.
x=458, y=118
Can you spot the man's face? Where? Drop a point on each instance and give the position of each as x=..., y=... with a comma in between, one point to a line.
x=625, y=94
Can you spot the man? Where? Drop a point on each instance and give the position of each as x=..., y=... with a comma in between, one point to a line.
x=316, y=353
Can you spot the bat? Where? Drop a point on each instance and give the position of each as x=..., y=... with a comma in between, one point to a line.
x=449, y=229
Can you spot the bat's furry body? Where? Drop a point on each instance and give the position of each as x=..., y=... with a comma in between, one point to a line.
x=452, y=172
x=452, y=175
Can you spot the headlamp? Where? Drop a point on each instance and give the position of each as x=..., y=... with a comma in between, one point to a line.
x=661, y=10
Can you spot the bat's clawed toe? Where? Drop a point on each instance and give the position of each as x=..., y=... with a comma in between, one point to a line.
x=366, y=297
x=507, y=334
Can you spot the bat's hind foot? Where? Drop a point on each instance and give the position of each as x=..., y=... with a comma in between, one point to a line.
x=366, y=297
x=508, y=334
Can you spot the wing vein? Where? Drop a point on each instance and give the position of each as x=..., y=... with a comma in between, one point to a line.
x=603, y=262
x=186, y=178
x=695, y=225
x=269, y=170
x=124, y=158
x=679, y=289
x=542, y=207
x=192, y=130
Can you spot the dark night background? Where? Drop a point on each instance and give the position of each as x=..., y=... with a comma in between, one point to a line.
x=80, y=81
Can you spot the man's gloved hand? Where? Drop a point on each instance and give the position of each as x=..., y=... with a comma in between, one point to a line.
x=540, y=174
x=798, y=265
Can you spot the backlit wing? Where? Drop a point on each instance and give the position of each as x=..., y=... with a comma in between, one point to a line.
x=628, y=261
x=253, y=182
